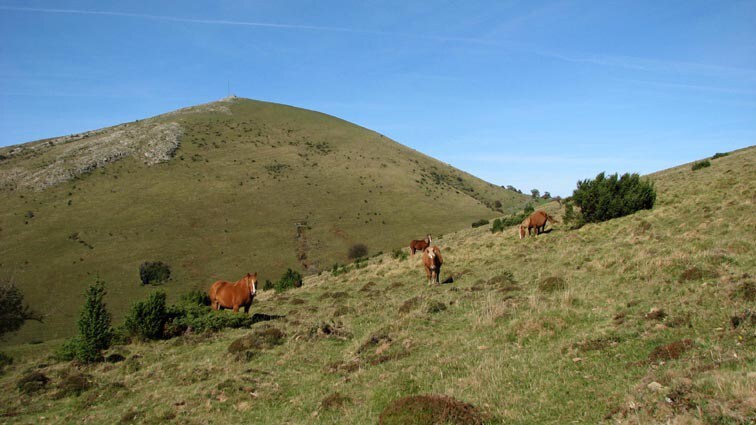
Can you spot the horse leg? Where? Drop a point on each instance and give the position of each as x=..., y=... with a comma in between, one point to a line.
x=236, y=308
x=246, y=308
x=216, y=305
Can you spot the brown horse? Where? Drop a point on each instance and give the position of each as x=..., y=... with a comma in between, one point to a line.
x=234, y=295
x=536, y=221
x=420, y=245
x=432, y=261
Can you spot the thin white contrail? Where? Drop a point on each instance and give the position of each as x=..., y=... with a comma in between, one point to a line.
x=187, y=20
x=242, y=23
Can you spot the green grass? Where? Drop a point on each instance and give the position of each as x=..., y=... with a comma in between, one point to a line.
x=261, y=188
x=519, y=347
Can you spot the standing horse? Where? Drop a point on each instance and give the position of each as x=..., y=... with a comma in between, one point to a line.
x=234, y=295
x=420, y=245
x=536, y=221
x=432, y=261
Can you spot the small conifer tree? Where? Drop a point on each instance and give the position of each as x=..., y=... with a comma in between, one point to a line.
x=94, y=325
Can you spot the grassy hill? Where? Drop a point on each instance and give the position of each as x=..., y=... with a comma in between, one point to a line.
x=215, y=191
x=644, y=319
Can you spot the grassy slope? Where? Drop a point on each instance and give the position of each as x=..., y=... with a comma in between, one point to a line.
x=517, y=351
x=227, y=204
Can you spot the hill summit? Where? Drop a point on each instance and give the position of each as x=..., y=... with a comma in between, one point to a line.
x=215, y=191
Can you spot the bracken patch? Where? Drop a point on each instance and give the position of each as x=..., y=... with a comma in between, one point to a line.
x=32, y=382
x=430, y=409
x=670, y=351
x=696, y=273
x=335, y=401
x=552, y=284
x=409, y=305
x=258, y=340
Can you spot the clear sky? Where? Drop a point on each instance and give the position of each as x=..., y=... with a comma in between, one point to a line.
x=536, y=94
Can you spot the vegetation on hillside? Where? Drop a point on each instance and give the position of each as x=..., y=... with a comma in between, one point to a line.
x=251, y=187
x=605, y=198
x=13, y=311
x=647, y=318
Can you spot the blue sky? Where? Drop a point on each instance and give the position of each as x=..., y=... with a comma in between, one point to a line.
x=529, y=93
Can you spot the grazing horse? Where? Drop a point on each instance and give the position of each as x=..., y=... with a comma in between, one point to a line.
x=536, y=221
x=432, y=261
x=234, y=295
x=420, y=245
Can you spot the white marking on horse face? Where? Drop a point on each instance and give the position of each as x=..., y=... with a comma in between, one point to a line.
x=254, y=287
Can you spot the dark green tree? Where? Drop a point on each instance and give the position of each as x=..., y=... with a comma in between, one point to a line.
x=94, y=325
x=604, y=198
x=13, y=312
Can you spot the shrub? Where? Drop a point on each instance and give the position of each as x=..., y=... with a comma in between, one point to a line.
x=290, y=279
x=481, y=222
x=399, y=254
x=94, y=326
x=268, y=285
x=67, y=351
x=610, y=197
x=195, y=297
x=358, y=250
x=13, y=311
x=201, y=319
x=155, y=272
x=700, y=164
x=571, y=218
x=512, y=220
x=147, y=318
x=719, y=155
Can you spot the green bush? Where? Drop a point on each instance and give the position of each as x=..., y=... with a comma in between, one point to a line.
x=94, y=326
x=195, y=297
x=571, y=218
x=610, y=197
x=512, y=220
x=201, y=318
x=290, y=279
x=700, y=164
x=358, y=250
x=481, y=222
x=155, y=272
x=719, y=155
x=268, y=285
x=399, y=254
x=148, y=318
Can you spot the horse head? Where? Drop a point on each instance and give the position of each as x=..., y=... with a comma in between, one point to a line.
x=431, y=253
x=251, y=281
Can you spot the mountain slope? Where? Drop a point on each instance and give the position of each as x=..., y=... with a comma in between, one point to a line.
x=642, y=319
x=215, y=191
